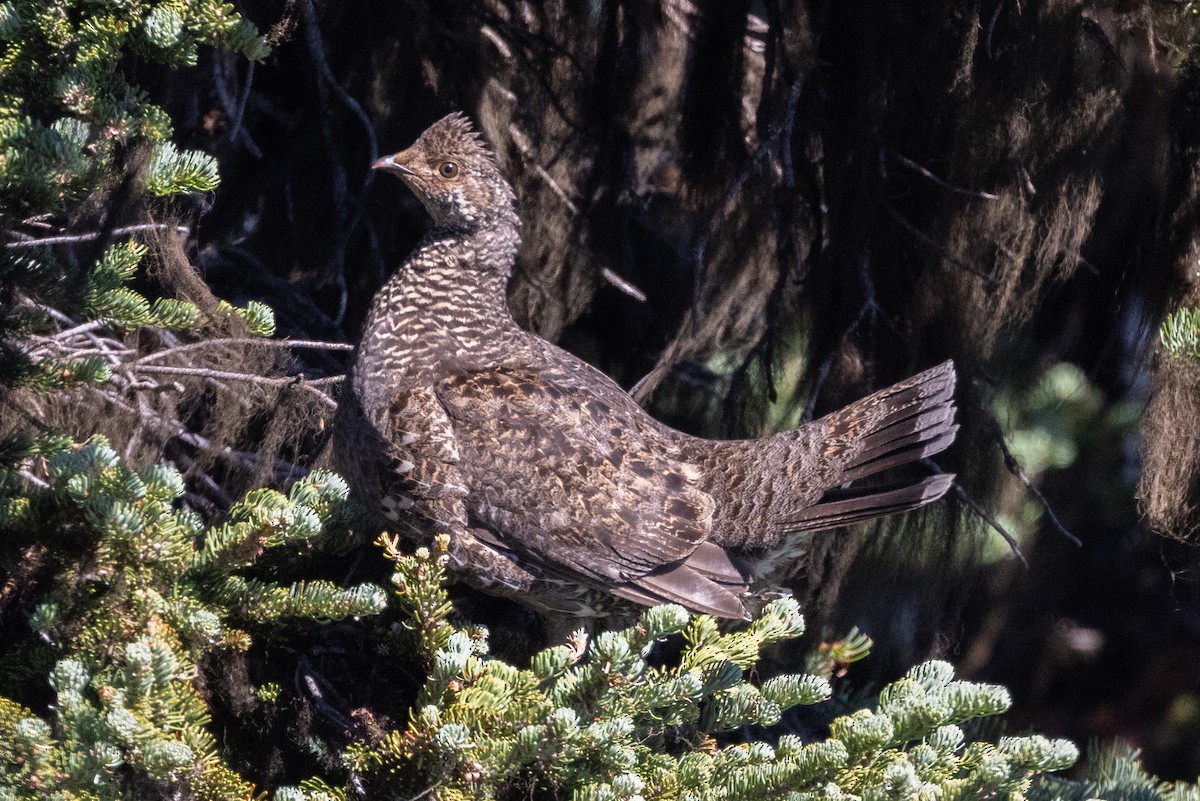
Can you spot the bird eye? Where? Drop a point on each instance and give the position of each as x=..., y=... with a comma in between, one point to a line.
x=448, y=169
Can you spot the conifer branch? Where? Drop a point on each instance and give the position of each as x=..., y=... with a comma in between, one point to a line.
x=603, y=724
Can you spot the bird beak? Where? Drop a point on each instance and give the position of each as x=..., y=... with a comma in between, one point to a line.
x=389, y=164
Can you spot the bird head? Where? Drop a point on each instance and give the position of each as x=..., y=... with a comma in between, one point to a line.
x=454, y=175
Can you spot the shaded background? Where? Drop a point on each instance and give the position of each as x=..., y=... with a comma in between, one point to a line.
x=760, y=211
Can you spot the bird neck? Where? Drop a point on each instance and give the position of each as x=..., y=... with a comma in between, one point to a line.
x=447, y=306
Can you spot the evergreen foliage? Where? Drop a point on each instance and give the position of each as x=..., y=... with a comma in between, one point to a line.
x=68, y=109
x=109, y=302
x=175, y=173
x=72, y=126
x=141, y=591
x=1180, y=333
x=610, y=719
x=1114, y=772
x=618, y=717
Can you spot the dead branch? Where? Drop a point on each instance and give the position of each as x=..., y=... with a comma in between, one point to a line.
x=283, y=344
x=91, y=236
x=225, y=375
x=958, y=190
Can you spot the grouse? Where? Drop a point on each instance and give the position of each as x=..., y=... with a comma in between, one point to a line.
x=554, y=486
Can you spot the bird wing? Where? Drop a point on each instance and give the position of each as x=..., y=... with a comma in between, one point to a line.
x=421, y=470
x=574, y=482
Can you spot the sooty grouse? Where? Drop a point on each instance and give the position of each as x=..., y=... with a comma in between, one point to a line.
x=555, y=487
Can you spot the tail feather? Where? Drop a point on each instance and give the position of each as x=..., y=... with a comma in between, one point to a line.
x=930, y=389
x=883, y=438
x=848, y=507
x=898, y=425
x=915, y=411
x=914, y=447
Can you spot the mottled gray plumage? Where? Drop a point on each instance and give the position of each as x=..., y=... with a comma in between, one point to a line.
x=554, y=485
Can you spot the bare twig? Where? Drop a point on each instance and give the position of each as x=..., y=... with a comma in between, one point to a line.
x=174, y=429
x=82, y=328
x=286, y=344
x=317, y=50
x=103, y=349
x=116, y=351
x=519, y=139
x=426, y=791
x=991, y=29
x=1014, y=467
x=235, y=109
x=327, y=82
x=501, y=46
x=111, y=349
x=216, y=500
x=931, y=242
x=225, y=375
x=49, y=311
x=623, y=285
x=235, y=126
x=639, y=389
x=1028, y=179
x=91, y=236
x=307, y=678
x=984, y=515
x=912, y=165
x=34, y=480
x=1091, y=268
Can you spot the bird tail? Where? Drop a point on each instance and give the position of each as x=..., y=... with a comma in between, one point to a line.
x=903, y=423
